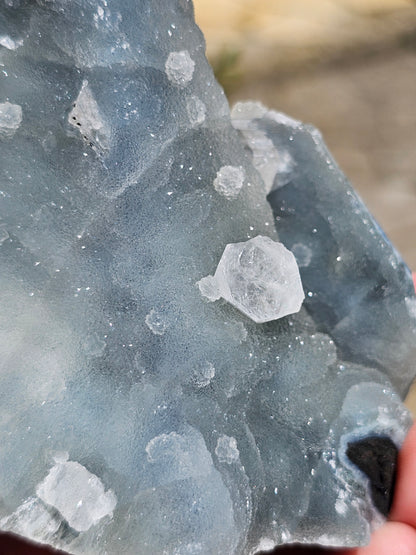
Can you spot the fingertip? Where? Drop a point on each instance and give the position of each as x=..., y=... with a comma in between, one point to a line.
x=394, y=538
x=404, y=503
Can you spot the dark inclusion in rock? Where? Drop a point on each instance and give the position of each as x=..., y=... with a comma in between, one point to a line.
x=377, y=458
x=136, y=416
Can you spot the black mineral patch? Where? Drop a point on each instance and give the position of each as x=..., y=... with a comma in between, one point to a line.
x=377, y=458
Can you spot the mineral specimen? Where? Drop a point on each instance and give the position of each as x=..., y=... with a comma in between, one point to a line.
x=135, y=415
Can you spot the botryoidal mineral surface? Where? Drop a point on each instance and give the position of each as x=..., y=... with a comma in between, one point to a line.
x=205, y=337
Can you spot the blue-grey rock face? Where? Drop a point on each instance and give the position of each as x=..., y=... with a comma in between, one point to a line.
x=144, y=407
x=359, y=289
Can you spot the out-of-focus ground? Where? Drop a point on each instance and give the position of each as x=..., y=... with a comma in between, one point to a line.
x=346, y=66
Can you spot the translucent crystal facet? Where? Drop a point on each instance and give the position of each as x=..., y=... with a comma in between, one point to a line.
x=259, y=277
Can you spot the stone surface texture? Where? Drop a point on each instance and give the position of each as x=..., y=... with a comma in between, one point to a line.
x=135, y=416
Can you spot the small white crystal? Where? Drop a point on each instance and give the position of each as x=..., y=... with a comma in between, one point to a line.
x=172, y=446
x=265, y=544
x=179, y=68
x=179, y=456
x=32, y=520
x=244, y=112
x=77, y=494
x=283, y=119
x=3, y=235
x=94, y=346
x=10, y=118
x=229, y=181
x=208, y=287
x=204, y=374
x=196, y=110
x=267, y=159
x=156, y=322
x=226, y=449
x=86, y=117
x=260, y=277
x=341, y=504
x=303, y=254
x=9, y=43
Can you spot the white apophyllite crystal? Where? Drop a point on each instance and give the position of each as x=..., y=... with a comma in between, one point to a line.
x=229, y=181
x=10, y=43
x=10, y=118
x=196, y=110
x=265, y=544
x=179, y=68
x=86, y=117
x=259, y=277
x=208, y=287
x=94, y=346
x=204, y=374
x=77, y=494
x=303, y=254
x=33, y=520
x=267, y=159
x=179, y=456
x=156, y=322
x=226, y=449
x=341, y=504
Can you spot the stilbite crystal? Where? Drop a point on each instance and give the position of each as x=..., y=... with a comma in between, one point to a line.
x=187, y=427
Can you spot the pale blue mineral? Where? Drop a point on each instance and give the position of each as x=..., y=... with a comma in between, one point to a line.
x=162, y=391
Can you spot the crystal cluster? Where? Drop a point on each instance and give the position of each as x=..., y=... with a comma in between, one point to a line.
x=135, y=415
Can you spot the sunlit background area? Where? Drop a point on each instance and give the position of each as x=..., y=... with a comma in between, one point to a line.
x=346, y=66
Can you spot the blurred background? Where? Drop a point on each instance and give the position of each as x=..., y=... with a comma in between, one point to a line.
x=346, y=66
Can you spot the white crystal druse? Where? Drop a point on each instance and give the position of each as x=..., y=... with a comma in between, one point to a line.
x=259, y=277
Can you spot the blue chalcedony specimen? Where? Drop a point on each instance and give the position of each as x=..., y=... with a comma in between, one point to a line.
x=136, y=416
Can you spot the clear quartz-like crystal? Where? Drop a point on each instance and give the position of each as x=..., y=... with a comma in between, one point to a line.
x=259, y=277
